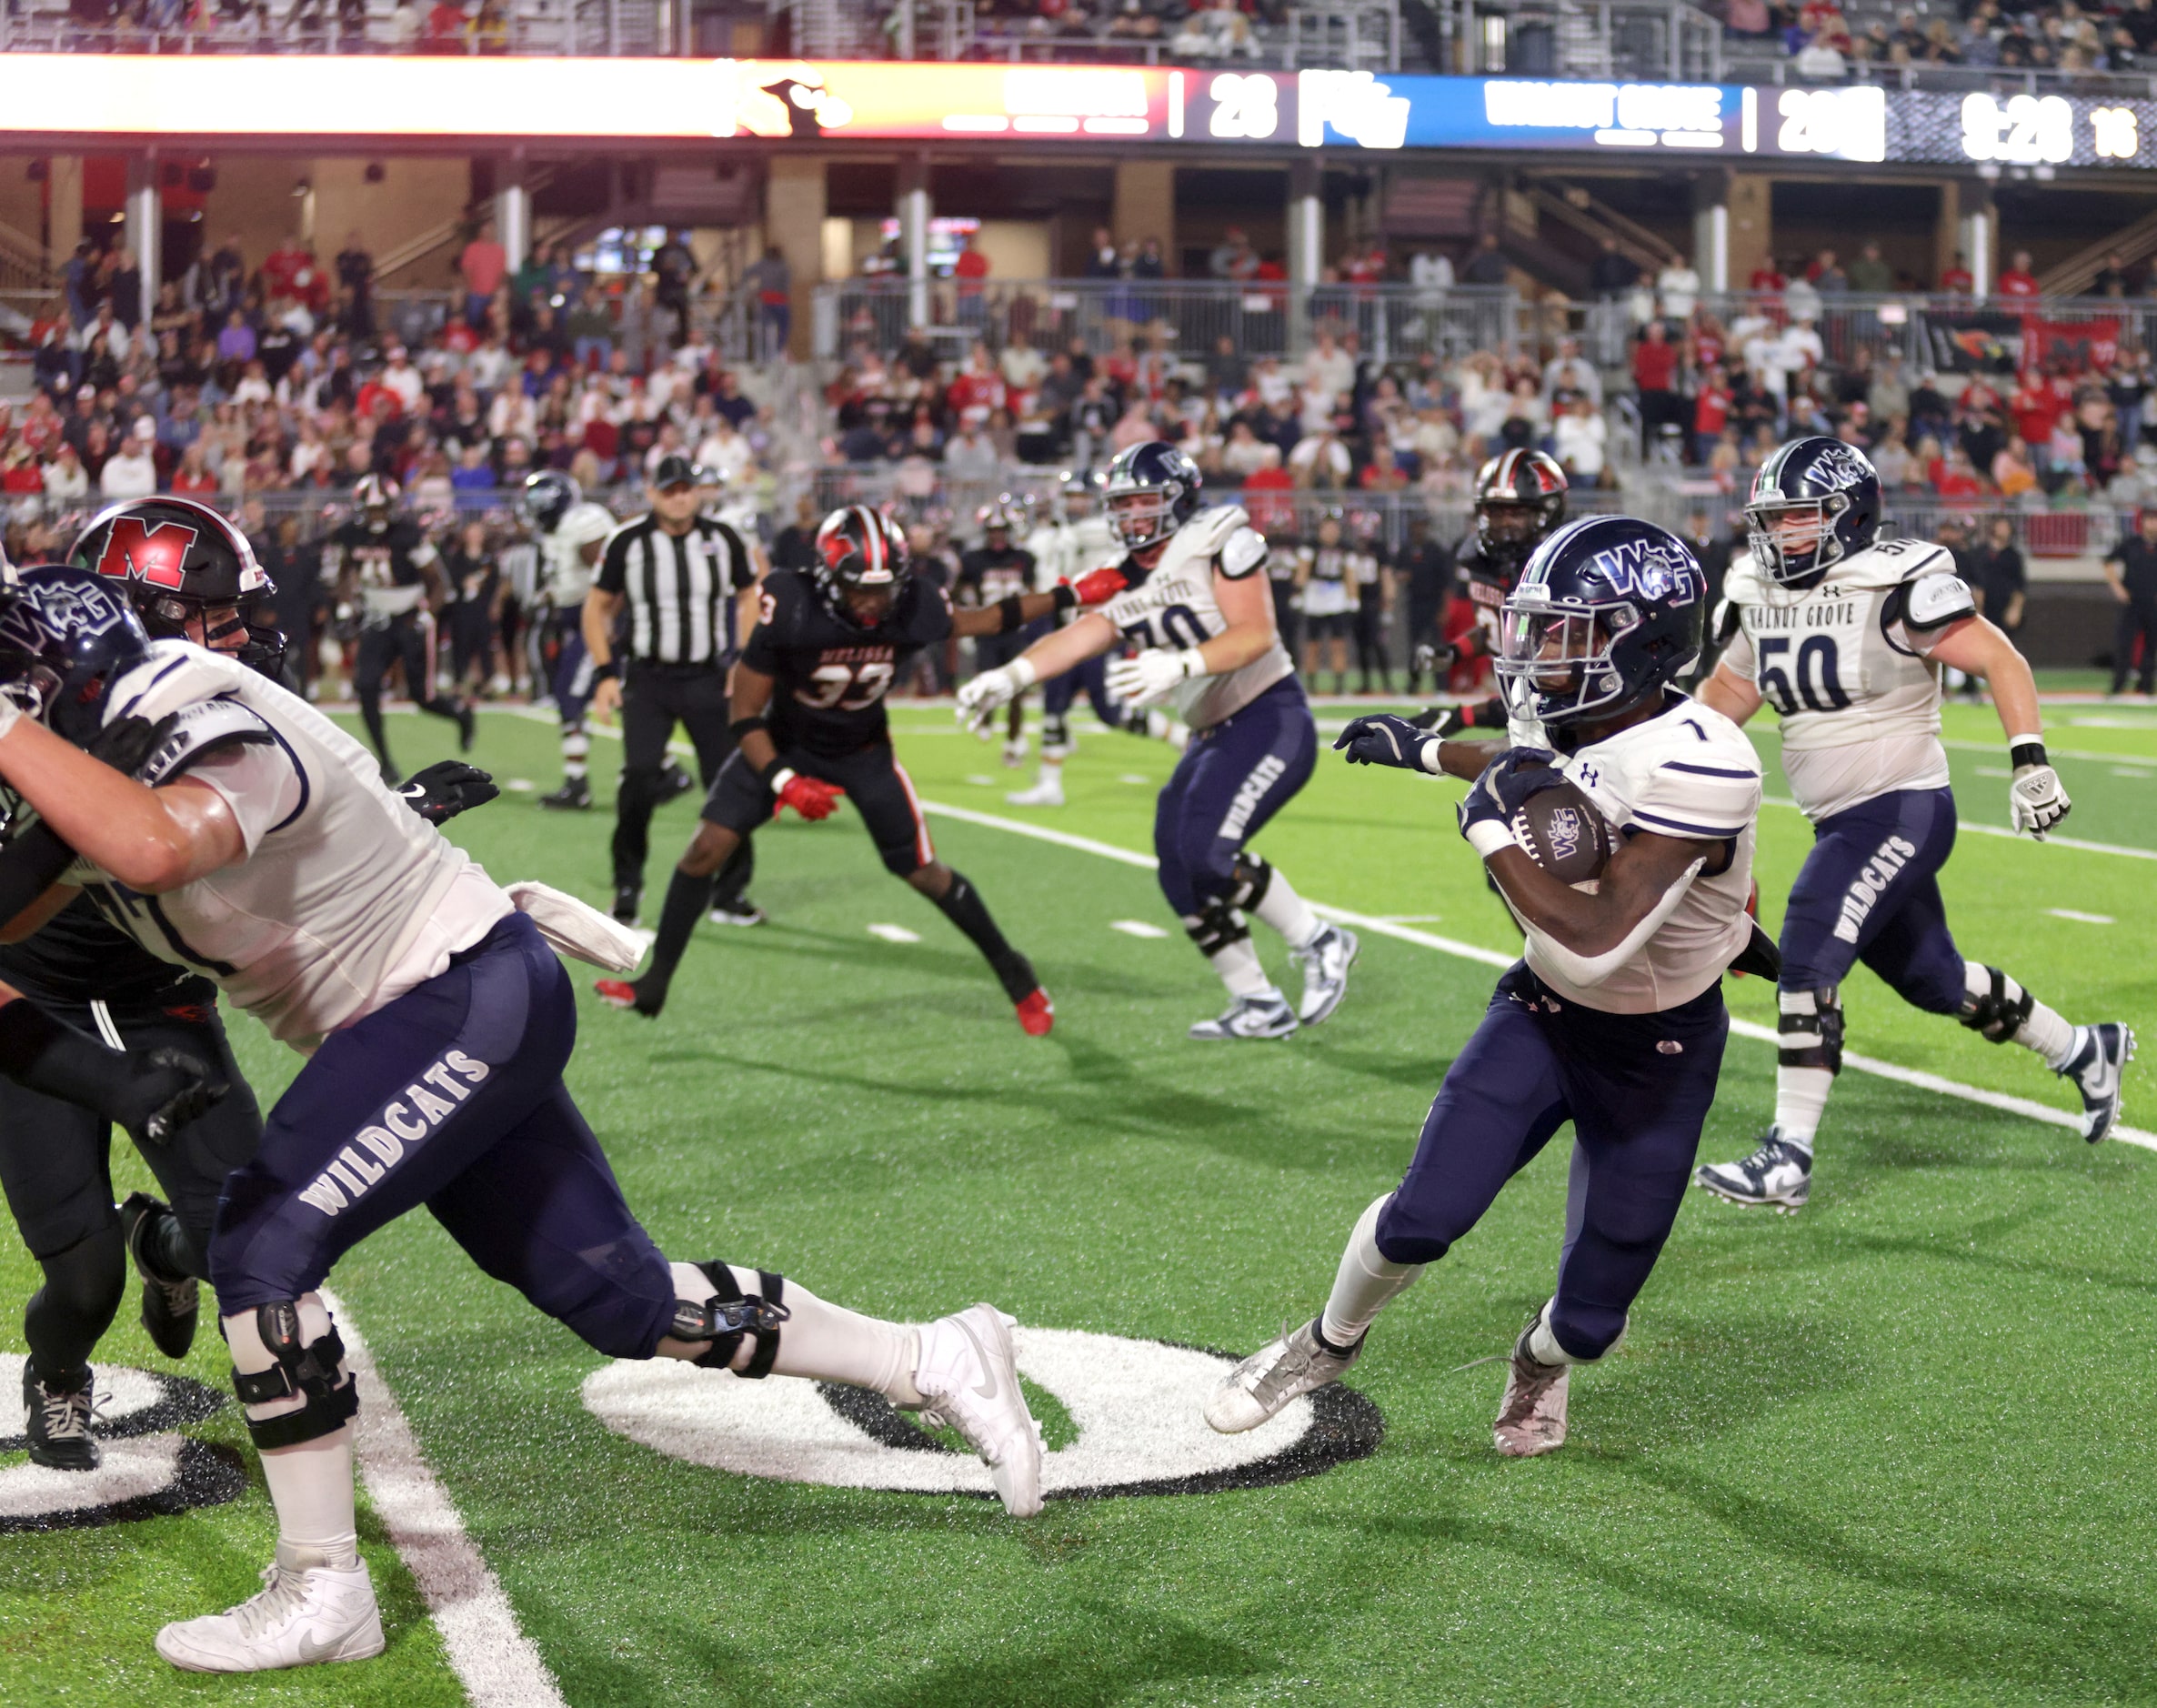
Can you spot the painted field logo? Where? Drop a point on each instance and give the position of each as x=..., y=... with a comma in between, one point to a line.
x=1136, y=1405
x=149, y=1470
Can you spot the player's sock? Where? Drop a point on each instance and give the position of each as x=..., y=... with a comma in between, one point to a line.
x=1801, y=1090
x=1995, y=1002
x=822, y=1342
x=1287, y=912
x=370, y=714
x=1365, y=1282
x=83, y=1288
x=963, y=906
x=1233, y=958
x=310, y=1485
x=576, y=750
x=688, y=900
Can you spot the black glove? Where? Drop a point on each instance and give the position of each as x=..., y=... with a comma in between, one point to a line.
x=1432, y=656
x=441, y=792
x=1381, y=739
x=1505, y=783
x=127, y=743
x=167, y=1089
x=1444, y=721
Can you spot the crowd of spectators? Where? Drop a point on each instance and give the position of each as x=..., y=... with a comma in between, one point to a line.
x=348, y=26
x=2105, y=36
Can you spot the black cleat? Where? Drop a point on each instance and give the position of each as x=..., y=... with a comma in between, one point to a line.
x=623, y=994
x=575, y=795
x=741, y=911
x=58, y=1422
x=674, y=783
x=170, y=1309
x=625, y=897
x=467, y=726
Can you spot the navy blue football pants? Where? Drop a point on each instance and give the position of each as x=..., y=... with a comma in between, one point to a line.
x=1231, y=780
x=1637, y=1089
x=450, y=1097
x=1060, y=693
x=1869, y=891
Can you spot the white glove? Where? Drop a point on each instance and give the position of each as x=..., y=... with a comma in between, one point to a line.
x=980, y=700
x=2035, y=801
x=1146, y=679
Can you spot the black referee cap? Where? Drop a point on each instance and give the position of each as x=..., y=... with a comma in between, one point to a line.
x=674, y=470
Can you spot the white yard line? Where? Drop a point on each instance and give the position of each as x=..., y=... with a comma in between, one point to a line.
x=491, y=1655
x=1493, y=957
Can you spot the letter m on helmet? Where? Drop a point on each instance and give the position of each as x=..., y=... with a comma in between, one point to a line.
x=151, y=551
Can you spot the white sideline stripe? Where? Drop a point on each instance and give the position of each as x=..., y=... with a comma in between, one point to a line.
x=491, y=1655
x=1975, y=828
x=1493, y=957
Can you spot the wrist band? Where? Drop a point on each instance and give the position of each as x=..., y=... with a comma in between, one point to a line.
x=1486, y=836
x=1065, y=595
x=1022, y=673
x=2025, y=750
x=777, y=779
x=741, y=727
x=1426, y=756
x=1011, y=613
x=1193, y=661
x=607, y=672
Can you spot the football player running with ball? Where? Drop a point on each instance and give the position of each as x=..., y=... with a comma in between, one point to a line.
x=1199, y=609
x=1613, y=1018
x=1844, y=634
x=437, y=1022
x=810, y=718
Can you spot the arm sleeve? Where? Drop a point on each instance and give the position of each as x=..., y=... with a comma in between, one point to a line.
x=261, y=782
x=1710, y=797
x=614, y=566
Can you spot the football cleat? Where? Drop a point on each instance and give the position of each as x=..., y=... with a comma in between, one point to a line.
x=1036, y=1013
x=1325, y=961
x=467, y=726
x=2104, y=1050
x=969, y=1378
x=57, y=1423
x=170, y=1309
x=741, y=911
x=306, y=1612
x=1251, y=1017
x=673, y=782
x=623, y=994
x=1531, y=1416
x=1048, y=792
x=1291, y=1364
x=575, y=795
x=1777, y=1173
x=626, y=899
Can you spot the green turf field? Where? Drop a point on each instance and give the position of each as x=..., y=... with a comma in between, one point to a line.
x=1890, y=1450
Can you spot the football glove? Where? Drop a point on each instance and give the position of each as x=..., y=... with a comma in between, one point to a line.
x=441, y=792
x=2035, y=801
x=1443, y=722
x=980, y=700
x=1381, y=739
x=126, y=743
x=1098, y=587
x=1432, y=656
x=1147, y=678
x=1504, y=787
x=810, y=796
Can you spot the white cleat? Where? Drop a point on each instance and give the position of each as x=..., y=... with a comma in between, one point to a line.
x=969, y=1377
x=2094, y=1071
x=1531, y=1416
x=1777, y=1173
x=307, y=1613
x=1048, y=792
x=1325, y=961
x=1252, y=1017
x=1288, y=1366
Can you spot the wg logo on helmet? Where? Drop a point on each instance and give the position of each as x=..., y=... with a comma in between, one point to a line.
x=1646, y=570
x=155, y=552
x=39, y=616
x=1838, y=467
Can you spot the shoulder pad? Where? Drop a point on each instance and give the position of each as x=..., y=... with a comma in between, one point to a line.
x=1741, y=582
x=585, y=524
x=174, y=674
x=1243, y=554
x=1889, y=563
x=198, y=730
x=1208, y=531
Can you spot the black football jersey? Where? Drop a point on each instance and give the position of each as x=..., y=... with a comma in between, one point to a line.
x=79, y=957
x=985, y=576
x=1484, y=586
x=388, y=560
x=829, y=677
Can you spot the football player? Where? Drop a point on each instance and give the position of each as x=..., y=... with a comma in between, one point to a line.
x=808, y=716
x=1613, y=1018
x=572, y=535
x=996, y=570
x=437, y=1023
x=1845, y=635
x=389, y=562
x=191, y=576
x=1199, y=609
x=1520, y=500
x=1077, y=540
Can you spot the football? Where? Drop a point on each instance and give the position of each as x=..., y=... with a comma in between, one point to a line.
x=1564, y=834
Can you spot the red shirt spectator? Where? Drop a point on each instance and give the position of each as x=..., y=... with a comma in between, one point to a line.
x=2035, y=410
x=1957, y=280
x=1766, y=276
x=284, y=264
x=1711, y=410
x=2016, y=278
x=484, y=261
x=1267, y=510
x=444, y=31
x=1654, y=361
x=970, y=268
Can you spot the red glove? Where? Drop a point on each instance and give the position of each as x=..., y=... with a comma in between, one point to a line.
x=1098, y=587
x=810, y=798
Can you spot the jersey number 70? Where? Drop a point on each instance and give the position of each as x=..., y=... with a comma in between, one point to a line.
x=1171, y=618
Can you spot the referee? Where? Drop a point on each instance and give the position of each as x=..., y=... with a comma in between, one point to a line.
x=682, y=578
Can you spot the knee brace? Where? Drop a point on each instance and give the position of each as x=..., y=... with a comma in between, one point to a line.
x=1997, y=1006
x=1810, y=1029
x=288, y=1364
x=1056, y=736
x=730, y=1313
x=1253, y=878
x=1215, y=927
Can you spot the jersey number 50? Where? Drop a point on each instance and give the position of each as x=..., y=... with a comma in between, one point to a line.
x=848, y=686
x=1819, y=686
x=1171, y=618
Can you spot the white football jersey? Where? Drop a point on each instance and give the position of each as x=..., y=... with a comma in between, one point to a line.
x=1686, y=772
x=1175, y=608
x=1063, y=551
x=347, y=898
x=1844, y=665
x=566, y=577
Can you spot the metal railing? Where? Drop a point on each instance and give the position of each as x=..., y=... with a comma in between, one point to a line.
x=1555, y=38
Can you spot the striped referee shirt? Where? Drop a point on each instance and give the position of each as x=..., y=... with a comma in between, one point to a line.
x=680, y=588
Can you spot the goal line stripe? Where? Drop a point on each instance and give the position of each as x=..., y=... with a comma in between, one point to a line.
x=1917, y=1077
x=492, y=1657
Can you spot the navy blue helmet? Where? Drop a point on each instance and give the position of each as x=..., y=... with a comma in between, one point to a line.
x=1152, y=490
x=67, y=636
x=548, y=496
x=1605, y=616
x=1814, y=502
